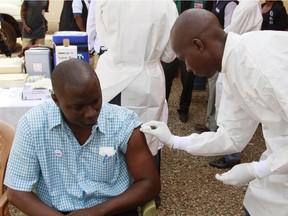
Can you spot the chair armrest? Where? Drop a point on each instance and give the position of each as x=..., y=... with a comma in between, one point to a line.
x=149, y=208
x=3, y=200
x=4, y=209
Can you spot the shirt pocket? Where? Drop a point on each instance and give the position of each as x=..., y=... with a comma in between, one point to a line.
x=105, y=168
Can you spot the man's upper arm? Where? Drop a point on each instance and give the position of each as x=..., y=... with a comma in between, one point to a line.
x=139, y=159
x=23, y=168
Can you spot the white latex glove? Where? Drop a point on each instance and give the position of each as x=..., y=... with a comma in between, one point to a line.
x=160, y=130
x=239, y=175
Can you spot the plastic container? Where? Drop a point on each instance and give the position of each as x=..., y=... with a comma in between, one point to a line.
x=38, y=62
x=78, y=38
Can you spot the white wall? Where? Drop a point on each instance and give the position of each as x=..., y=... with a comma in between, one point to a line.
x=53, y=17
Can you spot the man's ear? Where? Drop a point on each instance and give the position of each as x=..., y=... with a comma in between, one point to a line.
x=55, y=99
x=197, y=45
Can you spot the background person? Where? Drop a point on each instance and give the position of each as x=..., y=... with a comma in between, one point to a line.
x=136, y=35
x=171, y=69
x=4, y=47
x=80, y=10
x=81, y=156
x=254, y=91
x=274, y=16
x=94, y=45
x=246, y=17
x=74, y=15
x=34, y=22
x=223, y=10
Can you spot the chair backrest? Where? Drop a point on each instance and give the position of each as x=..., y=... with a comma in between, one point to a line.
x=7, y=133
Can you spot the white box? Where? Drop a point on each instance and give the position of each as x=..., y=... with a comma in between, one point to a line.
x=30, y=93
x=38, y=61
x=11, y=65
x=63, y=53
x=12, y=80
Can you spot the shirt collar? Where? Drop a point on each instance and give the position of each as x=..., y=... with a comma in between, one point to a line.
x=55, y=117
x=231, y=43
x=101, y=122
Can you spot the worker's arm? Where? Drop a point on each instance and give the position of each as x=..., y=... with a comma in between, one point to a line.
x=80, y=22
x=77, y=9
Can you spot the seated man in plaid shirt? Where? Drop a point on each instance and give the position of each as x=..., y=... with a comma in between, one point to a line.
x=78, y=156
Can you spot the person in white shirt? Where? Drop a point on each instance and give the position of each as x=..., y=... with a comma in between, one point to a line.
x=254, y=91
x=223, y=10
x=94, y=45
x=136, y=35
x=80, y=10
x=246, y=17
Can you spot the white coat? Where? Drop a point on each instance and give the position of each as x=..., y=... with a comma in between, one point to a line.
x=93, y=41
x=246, y=17
x=255, y=91
x=136, y=34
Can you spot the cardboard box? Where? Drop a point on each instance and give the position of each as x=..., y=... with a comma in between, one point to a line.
x=63, y=53
x=11, y=65
x=30, y=93
x=12, y=80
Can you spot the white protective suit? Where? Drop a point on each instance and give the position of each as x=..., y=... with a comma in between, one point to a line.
x=136, y=34
x=247, y=17
x=255, y=91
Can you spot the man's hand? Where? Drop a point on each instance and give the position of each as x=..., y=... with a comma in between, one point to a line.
x=28, y=29
x=239, y=175
x=160, y=130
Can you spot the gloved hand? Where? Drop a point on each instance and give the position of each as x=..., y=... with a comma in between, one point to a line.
x=239, y=175
x=160, y=130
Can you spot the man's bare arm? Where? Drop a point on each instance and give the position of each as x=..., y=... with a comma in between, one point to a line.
x=30, y=204
x=146, y=185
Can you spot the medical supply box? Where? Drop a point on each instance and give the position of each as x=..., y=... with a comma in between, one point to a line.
x=38, y=61
x=30, y=93
x=11, y=65
x=12, y=80
x=77, y=38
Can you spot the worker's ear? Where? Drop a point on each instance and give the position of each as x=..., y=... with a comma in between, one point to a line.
x=197, y=45
x=54, y=98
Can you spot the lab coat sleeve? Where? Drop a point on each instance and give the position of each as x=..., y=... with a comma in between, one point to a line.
x=246, y=17
x=100, y=26
x=91, y=25
x=274, y=91
x=168, y=54
x=236, y=129
x=278, y=162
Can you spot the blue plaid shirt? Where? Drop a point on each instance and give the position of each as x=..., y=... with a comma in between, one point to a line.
x=46, y=156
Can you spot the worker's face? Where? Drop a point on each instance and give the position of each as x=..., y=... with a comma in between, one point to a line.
x=196, y=57
x=80, y=106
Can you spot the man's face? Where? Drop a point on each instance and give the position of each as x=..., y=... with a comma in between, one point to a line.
x=81, y=106
x=197, y=58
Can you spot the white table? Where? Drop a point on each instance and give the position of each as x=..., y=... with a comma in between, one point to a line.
x=12, y=107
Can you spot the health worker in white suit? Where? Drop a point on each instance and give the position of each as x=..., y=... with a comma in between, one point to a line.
x=255, y=91
x=246, y=17
x=136, y=34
